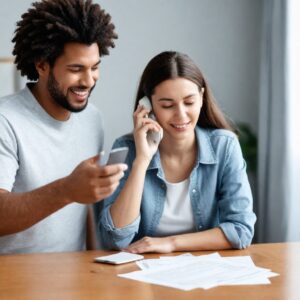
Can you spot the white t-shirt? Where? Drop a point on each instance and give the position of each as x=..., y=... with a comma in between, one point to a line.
x=36, y=149
x=177, y=216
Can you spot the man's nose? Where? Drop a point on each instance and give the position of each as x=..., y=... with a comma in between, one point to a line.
x=87, y=79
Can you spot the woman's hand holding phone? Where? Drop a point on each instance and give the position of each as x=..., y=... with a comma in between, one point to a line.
x=152, y=136
x=147, y=132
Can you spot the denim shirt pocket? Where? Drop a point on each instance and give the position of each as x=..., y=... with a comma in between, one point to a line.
x=203, y=196
x=152, y=203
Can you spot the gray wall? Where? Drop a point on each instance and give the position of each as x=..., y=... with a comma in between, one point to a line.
x=222, y=36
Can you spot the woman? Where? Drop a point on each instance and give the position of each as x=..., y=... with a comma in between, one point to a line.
x=190, y=192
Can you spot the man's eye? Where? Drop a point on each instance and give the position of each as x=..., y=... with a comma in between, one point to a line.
x=189, y=103
x=167, y=106
x=74, y=70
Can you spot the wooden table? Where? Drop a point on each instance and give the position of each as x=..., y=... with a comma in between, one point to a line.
x=76, y=276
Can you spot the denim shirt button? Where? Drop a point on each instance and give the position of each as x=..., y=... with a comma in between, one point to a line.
x=194, y=191
x=200, y=226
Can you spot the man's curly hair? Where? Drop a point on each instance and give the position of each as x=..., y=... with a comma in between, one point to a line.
x=46, y=27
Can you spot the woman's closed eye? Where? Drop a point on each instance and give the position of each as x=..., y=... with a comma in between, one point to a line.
x=189, y=103
x=168, y=106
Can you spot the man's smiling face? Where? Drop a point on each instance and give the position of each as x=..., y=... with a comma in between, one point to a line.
x=74, y=75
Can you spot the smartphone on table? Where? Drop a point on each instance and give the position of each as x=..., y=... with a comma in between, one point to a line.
x=119, y=258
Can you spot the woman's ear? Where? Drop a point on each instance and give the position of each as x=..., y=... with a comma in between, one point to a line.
x=202, y=91
x=42, y=67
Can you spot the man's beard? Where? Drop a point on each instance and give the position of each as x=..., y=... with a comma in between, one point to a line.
x=58, y=96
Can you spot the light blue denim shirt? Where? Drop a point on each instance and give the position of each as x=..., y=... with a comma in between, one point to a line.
x=219, y=191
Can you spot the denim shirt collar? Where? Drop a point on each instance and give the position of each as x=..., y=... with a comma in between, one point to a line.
x=206, y=153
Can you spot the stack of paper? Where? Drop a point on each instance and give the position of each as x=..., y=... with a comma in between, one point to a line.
x=187, y=272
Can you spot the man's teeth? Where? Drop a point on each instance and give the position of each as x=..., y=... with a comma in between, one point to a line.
x=80, y=92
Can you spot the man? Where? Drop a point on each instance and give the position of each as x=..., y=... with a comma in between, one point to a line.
x=49, y=135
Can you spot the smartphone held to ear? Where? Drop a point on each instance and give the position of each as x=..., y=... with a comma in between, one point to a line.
x=152, y=136
x=145, y=102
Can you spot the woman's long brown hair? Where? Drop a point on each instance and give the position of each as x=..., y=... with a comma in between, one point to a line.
x=171, y=65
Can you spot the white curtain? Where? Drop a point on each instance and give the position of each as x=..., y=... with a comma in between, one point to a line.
x=278, y=203
x=293, y=95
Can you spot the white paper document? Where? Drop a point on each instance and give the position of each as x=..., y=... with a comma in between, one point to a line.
x=187, y=272
x=167, y=260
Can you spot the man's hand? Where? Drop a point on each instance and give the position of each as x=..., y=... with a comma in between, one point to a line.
x=149, y=244
x=89, y=182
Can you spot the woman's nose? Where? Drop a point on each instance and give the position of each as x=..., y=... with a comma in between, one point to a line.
x=180, y=110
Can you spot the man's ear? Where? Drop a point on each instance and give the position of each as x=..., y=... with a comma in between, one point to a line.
x=42, y=67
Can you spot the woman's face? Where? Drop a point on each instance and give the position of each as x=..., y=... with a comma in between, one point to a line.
x=177, y=104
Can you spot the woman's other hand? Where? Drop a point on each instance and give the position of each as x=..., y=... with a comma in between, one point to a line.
x=151, y=244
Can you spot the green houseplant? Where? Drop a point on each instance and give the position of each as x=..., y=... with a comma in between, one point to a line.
x=248, y=141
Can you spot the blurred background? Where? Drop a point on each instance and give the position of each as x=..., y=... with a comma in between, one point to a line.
x=248, y=51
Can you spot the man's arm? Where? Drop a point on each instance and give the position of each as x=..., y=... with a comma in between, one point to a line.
x=19, y=211
x=88, y=183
